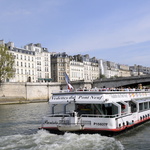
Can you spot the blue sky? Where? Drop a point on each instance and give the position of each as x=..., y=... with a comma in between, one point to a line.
x=114, y=30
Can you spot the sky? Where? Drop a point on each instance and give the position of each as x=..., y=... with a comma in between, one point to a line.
x=113, y=30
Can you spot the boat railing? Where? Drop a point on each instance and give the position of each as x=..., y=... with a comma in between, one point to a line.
x=103, y=90
x=99, y=116
x=83, y=115
x=59, y=115
x=60, y=91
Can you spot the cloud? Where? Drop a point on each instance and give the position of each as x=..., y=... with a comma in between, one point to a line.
x=100, y=28
x=24, y=8
x=128, y=43
x=134, y=31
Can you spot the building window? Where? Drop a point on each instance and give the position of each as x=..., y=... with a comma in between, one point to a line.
x=38, y=68
x=38, y=63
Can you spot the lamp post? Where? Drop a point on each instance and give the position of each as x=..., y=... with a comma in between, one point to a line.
x=26, y=87
x=27, y=76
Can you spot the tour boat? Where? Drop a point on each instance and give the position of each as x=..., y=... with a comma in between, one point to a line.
x=97, y=111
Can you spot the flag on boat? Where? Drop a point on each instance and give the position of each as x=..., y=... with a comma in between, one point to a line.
x=70, y=87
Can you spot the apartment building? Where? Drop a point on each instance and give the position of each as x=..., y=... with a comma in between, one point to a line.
x=111, y=69
x=60, y=63
x=139, y=70
x=90, y=67
x=108, y=69
x=78, y=67
x=32, y=63
x=124, y=70
x=42, y=62
x=76, y=70
x=95, y=72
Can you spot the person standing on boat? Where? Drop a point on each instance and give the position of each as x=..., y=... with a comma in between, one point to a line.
x=85, y=89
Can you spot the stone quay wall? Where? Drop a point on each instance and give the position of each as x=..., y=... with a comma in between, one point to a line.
x=26, y=92
x=40, y=92
x=12, y=93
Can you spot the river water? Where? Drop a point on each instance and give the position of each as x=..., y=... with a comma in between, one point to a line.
x=19, y=131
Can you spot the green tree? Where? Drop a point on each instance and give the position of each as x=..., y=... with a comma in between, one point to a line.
x=7, y=61
x=102, y=76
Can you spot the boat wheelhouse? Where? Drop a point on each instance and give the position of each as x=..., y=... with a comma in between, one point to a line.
x=94, y=111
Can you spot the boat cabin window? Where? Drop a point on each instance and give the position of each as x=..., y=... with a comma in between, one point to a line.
x=133, y=106
x=70, y=108
x=146, y=105
x=57, y=109
x=97, y=109
x=141, y=106
x=62, y=108
x=123, y=108
x=101, y=110
x=83, y=109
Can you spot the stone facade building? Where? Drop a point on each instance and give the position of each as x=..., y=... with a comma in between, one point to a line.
x=137, y=70
x=60, y=63
x=90, y=67
x=124, y=70
x=111, y=69
x=108, y=69
x=76, y=70
x=78, y=67
x=32, y=63
x=42, y=62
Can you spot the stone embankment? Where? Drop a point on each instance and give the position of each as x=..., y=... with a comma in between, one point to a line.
x=18, y=93
x=13, y=93
x=12, y=100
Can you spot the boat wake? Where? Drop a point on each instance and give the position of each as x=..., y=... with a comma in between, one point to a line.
x=69, y=141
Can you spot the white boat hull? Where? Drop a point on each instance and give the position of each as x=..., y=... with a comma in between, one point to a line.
x=70, y=127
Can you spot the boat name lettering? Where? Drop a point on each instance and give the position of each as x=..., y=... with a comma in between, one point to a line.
x=90, y=97
x=100, y=124
x=52, y=122
x=63, y=97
